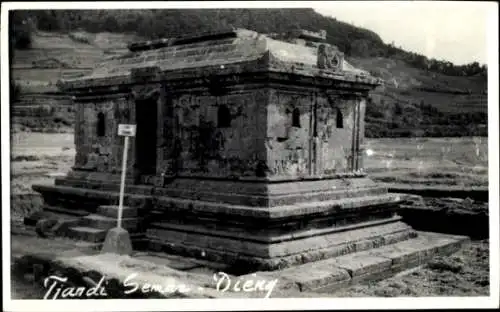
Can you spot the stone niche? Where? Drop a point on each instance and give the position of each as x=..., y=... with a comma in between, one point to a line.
x=248, y=150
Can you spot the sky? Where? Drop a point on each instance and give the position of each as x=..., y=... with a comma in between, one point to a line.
x=452, y=31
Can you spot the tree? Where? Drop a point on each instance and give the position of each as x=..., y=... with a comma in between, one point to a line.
x=398, y=109
x=20, y=30
x=360, y=47
x=110, y=24
x=15, y=91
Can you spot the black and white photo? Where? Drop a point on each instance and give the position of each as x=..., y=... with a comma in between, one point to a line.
x=243, y=154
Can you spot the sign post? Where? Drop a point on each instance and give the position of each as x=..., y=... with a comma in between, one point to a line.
x=126, y=131
x=118, y=240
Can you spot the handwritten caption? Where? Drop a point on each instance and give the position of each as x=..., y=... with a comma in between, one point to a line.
x=57, y=286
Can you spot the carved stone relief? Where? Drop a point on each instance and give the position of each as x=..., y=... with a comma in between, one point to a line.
x=329, y=57
x=288, y=140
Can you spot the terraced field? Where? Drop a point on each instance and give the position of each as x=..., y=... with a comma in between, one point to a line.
x=55, y=55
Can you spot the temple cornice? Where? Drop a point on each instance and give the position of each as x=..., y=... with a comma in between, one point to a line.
x=232, y=75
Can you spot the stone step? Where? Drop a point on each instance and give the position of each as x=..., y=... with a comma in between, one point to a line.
x=274, y=254
x=366, y=266
x=62, y=210
x=85, y=194
x=87, y=234
x=51, y=212
x=105, y=223
x=112, y=211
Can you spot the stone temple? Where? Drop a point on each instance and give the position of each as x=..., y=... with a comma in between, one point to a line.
x=249, y=151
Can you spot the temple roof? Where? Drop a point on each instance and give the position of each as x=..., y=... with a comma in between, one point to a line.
x=219, y=49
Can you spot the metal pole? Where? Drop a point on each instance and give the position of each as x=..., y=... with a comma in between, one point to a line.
x=122, y=185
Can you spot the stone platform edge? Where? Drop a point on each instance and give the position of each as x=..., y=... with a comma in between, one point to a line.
x=309, y=279
x=371, y=265
x=142, y=201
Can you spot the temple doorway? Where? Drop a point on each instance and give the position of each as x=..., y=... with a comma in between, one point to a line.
x=146, y=138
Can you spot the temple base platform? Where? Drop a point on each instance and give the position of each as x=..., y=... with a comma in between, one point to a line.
x=251, y=226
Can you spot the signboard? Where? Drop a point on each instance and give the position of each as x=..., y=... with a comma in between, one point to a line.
x=126, y=130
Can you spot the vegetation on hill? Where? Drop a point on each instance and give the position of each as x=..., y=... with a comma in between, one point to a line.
x=154, y=23
x=421, y=120
x=20, y=30
x=422, y=97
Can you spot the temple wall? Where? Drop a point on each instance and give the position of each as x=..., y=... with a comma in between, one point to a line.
x=362, y=110
x=288, y=148
x=103, y=151
x=261, y=139
x=335, y=148
x=318, y=146
x=205, y=148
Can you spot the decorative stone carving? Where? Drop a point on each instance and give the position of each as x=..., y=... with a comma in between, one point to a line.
x=329, y=57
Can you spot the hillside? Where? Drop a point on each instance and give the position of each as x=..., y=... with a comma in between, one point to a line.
x=53, y=56
x=39, y=105
x=415, y=101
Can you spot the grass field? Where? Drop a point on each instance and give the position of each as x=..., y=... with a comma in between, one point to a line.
x=428, y=161
x=35, y=156
x=398, y=74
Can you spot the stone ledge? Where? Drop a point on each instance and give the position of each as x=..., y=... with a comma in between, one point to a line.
x=264, y=187
x=371, y=265
x=299, y=209
x=94, y=197
x=259, y=236
x=358, y=264
x=268, y=257
x=240, y=197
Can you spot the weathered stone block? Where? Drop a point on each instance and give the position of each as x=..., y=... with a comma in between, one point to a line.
x=117, y=241
x=317, y=277
x=363, y=263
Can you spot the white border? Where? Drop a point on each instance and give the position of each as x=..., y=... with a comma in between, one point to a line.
x=493, y=147
x=247, y=304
